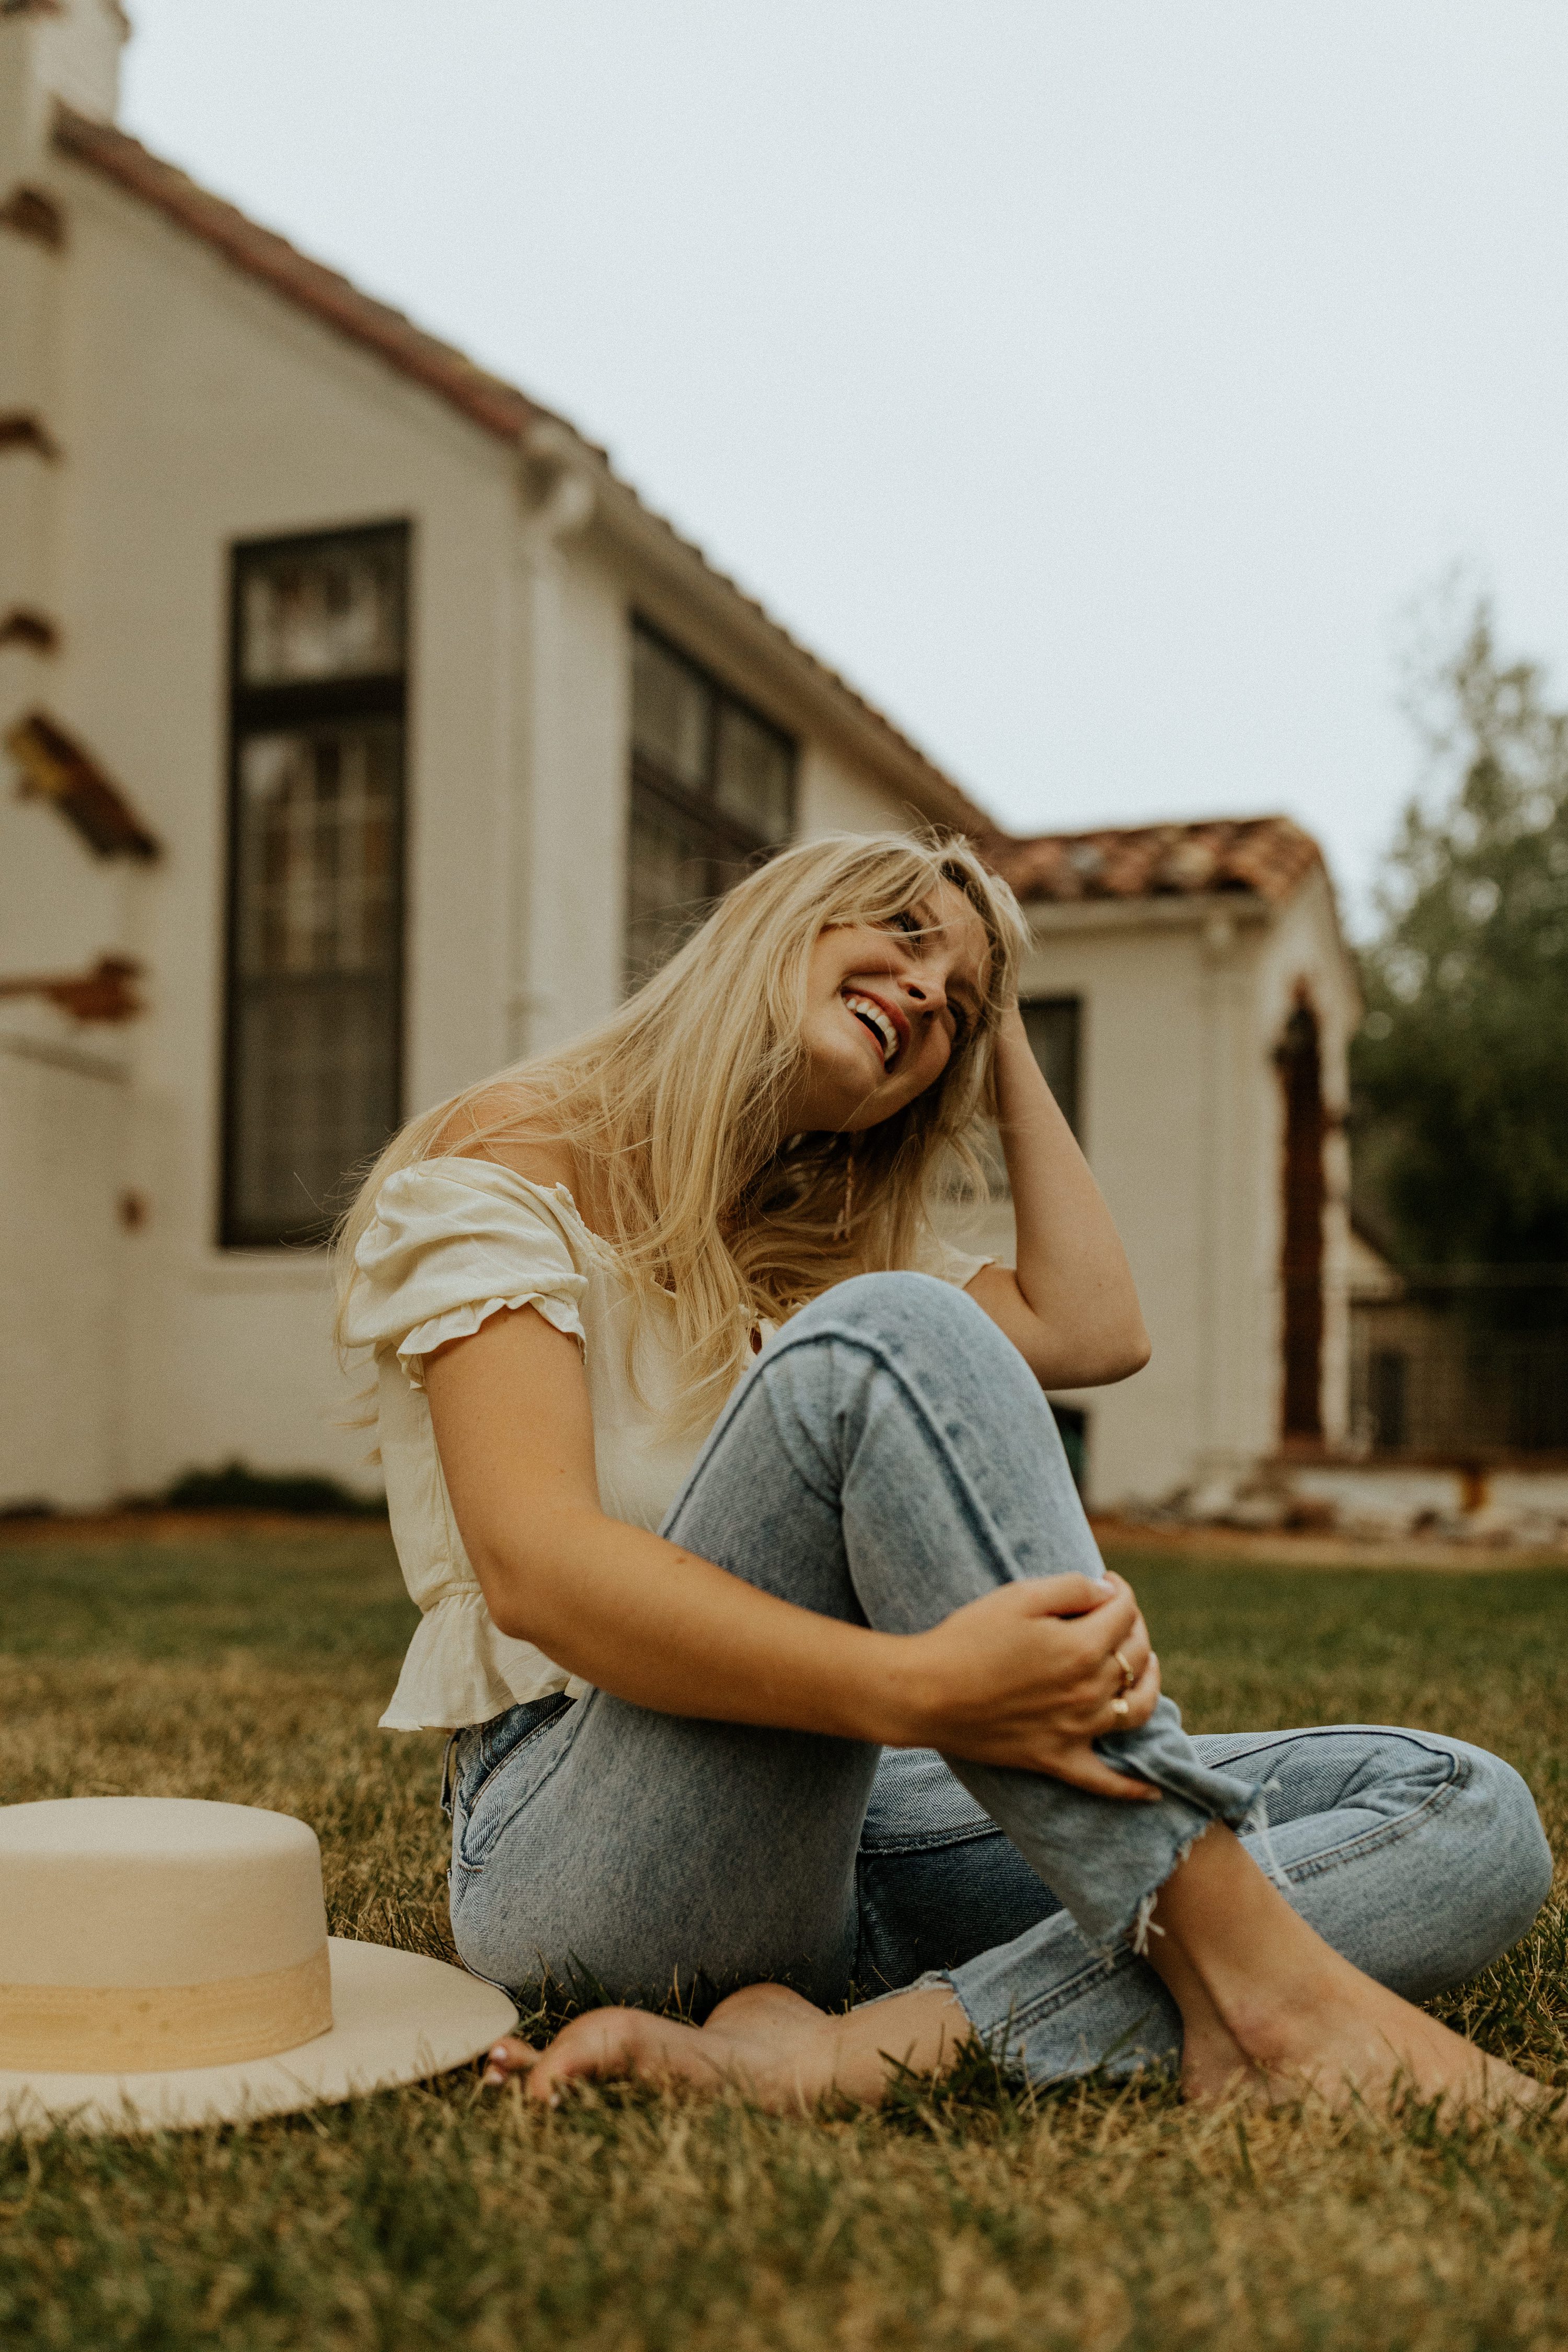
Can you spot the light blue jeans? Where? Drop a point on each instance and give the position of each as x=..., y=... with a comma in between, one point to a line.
x=888, y=1458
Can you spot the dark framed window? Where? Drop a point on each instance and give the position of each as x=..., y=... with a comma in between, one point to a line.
x=1298, y=1061
x=1387, y=1386
x=1073, y=1424
x=712, y=793
x=318, y=695
x=1055, y=1025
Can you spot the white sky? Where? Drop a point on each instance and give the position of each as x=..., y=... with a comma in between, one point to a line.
x=1095, y=386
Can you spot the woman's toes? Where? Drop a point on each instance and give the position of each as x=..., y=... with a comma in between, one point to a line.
x=509, y=2056
x=621, y=2044
x=766, y=2042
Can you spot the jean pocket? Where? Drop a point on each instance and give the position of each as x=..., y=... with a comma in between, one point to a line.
x=509, y=1759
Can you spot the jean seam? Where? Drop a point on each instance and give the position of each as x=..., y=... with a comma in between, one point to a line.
x=928, y=1840
x=1261, y=1742
x=935, y=1437
x=787, y=1343
x=1021, y=2019
x=1390, y=1833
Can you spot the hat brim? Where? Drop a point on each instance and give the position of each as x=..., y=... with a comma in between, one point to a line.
x=397, y=2017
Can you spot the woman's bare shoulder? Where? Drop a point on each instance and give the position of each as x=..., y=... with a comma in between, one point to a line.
x=502, y=1123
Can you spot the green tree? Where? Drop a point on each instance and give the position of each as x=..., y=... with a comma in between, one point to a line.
x=1460, y=1073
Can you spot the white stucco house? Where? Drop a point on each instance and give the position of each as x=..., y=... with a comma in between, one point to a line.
x=363, y=730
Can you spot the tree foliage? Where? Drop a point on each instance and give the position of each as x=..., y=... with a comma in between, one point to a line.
x=1460, y=1072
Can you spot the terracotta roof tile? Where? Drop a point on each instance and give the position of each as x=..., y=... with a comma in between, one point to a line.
x=1267, y=855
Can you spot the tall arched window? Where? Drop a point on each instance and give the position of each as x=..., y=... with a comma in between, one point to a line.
x=317, y=691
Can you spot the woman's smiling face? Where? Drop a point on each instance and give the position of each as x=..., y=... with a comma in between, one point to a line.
x=885, y=1005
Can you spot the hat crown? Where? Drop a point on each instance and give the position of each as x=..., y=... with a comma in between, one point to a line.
x=143, y=1892
x=157, y=1932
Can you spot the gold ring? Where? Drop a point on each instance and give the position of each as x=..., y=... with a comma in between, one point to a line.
x=1128, y=1677
x=1120, y=1709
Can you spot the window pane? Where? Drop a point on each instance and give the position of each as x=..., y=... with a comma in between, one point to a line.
x=1052, y=1022
x=754, y=773
x=335, y=608
x=669, y=885
x=316, y=957
x=317, y=852
x=671, y=714
x=316, y=1096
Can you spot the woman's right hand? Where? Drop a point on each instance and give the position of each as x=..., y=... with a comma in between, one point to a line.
x=1029, y=1675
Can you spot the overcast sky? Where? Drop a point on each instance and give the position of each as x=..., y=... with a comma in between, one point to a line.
x=1098, y=386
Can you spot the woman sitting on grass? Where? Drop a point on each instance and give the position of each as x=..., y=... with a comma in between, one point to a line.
x=781, y=1665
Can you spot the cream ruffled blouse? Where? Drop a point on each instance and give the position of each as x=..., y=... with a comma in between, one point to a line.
x=452, y=1242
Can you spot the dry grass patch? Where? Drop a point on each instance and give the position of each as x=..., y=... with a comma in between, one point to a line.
x=978, y=2216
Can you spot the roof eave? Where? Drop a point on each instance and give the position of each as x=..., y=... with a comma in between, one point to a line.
x=649, y=539
x=1188, y=911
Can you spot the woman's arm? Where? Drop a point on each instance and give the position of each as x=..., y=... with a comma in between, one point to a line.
x=1022, y=1676
x=1070, y=1308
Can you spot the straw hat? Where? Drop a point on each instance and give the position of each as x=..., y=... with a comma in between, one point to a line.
x=165, y=1962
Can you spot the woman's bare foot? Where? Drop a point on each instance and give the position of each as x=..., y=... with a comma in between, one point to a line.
x=1263, y=1997
x=1264, y=2002
x=765, y=2041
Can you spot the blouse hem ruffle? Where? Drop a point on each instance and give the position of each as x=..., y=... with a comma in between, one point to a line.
x=457, y=1671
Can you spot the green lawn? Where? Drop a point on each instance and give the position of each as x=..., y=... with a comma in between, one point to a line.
x=253, y=1667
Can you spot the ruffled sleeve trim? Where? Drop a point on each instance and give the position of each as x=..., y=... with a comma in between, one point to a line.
x=455, y=1240
x=462, y=1322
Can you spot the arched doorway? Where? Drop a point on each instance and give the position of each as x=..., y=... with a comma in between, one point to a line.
x=1300, y=1063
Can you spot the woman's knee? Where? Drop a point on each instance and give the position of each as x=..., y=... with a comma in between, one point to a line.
x=942, y=1349
x=1510, y=1826
x=890, y=1306
x=1506, y=1835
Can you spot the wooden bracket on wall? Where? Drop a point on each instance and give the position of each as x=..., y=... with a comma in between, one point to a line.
x=28, y=212
x=21, y=429
x=103, y=993
x=24, y=626
x=57, y=768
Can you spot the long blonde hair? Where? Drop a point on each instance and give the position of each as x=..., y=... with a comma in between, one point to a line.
x=677, y=1102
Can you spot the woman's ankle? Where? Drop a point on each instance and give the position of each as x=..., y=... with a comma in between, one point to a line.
x=920, y=2032
x=1232, y=1951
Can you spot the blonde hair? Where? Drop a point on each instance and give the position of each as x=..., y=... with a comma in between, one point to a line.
x=676, y=1102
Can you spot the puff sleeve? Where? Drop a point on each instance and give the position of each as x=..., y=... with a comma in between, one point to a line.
x=939, y=1258
x=453, y=1241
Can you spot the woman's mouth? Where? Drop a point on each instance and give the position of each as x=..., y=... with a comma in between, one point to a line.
x=877, y=1021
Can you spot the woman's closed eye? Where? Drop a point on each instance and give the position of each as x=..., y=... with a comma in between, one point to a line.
x=913, y=924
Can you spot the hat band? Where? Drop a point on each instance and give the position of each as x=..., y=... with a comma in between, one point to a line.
x=152, y=2029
